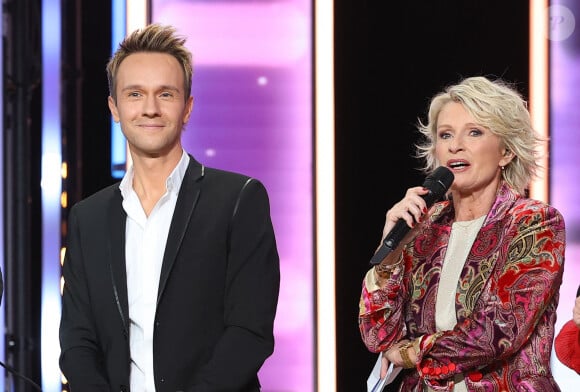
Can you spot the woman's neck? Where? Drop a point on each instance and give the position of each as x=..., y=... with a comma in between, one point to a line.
x=474, y=205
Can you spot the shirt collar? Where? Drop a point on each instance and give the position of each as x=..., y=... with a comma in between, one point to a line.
x=173, y=182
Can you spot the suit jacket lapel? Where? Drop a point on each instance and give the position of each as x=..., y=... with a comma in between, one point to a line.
x=117, y=223
x=486, y=251
x=186, y=202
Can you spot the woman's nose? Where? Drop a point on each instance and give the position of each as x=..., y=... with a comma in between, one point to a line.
x=455, y=145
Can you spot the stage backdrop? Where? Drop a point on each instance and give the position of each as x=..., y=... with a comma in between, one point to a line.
x=252, y=87
x=564, y=158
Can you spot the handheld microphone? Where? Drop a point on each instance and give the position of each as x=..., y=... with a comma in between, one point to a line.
x=437, y=183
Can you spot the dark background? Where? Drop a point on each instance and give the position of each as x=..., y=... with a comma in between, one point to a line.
x=391, y=57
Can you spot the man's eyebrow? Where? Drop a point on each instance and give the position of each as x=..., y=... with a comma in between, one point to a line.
x=160, y=88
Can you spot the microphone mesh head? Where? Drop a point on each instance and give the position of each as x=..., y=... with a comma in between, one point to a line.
x=438, y=183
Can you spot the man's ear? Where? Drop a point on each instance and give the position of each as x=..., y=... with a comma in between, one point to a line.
x=188, y=109
x=113, y=108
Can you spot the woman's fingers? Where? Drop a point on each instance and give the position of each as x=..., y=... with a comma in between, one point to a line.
x=410, y=209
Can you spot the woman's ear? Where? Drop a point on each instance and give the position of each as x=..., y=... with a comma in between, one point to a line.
x=507, y=157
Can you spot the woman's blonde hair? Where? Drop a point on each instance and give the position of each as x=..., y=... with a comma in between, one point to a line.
x=500, y=108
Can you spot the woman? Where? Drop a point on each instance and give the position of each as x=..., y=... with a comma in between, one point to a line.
x=567, y=342
x=467, y=301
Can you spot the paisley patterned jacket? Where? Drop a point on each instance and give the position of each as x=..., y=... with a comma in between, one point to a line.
x=506, y=300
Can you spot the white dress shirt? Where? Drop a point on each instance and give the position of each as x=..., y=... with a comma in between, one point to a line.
x=462, y=237
x=146, y=237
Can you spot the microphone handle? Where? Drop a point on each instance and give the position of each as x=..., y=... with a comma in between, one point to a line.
x=391, y=241
x=437, y=183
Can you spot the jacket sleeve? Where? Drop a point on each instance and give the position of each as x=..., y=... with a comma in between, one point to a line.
x=567, y=345
x=522, y=293
x=80, y=358
x=252, y=287
x=381, y=310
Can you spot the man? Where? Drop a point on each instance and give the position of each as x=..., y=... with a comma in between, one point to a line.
x=172, y=276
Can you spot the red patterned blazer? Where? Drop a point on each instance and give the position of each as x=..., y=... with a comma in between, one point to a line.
x=506, y=300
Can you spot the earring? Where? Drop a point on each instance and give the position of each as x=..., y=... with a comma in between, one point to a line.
x=502, y=168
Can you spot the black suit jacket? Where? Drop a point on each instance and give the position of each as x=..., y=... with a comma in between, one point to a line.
x=217, y=296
